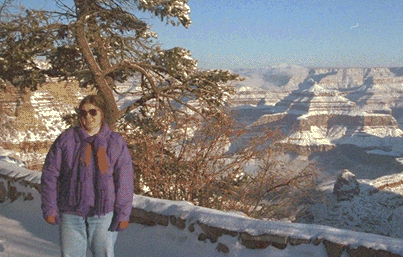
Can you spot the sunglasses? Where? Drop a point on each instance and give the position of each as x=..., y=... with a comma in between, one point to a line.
x=83, y=113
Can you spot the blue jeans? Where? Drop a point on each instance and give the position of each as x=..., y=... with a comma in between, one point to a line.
x=76, y=233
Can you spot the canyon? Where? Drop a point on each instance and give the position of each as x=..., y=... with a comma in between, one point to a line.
x=355, y=114
x=344, y=118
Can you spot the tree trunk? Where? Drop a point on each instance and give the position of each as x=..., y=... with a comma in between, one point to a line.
x=104, y=84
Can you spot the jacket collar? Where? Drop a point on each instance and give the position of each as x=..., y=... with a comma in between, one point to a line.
x=81, y=134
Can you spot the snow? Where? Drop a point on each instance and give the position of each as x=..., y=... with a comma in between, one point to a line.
x=377, y=208
x=23, y=232
x=11, y=170
x=315, y=136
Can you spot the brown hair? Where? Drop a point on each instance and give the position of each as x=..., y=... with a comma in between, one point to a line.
x=98, y=101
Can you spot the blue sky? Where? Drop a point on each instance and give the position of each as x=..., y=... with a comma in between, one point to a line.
x=229, y=34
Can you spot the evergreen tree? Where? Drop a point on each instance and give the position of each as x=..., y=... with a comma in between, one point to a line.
x=102, y=42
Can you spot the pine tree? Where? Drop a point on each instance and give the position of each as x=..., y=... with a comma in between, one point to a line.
x=102, y=42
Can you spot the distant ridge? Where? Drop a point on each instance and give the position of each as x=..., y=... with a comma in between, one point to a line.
x=320, y=108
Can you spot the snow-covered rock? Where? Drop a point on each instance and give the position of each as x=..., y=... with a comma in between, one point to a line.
x=346, y=186
x=374, y=207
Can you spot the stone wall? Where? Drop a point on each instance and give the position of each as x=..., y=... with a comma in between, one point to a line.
x=155, y=212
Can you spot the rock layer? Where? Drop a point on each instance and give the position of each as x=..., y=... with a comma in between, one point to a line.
x=330, y=107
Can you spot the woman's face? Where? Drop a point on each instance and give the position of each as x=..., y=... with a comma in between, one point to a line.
x=90, y=116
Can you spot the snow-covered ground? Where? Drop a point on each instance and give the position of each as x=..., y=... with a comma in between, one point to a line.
x=23, y=232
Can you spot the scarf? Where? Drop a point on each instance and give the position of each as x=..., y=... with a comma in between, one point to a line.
x=94, y=143
x=86, y=172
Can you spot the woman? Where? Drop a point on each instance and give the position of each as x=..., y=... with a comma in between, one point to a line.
x=87, y=183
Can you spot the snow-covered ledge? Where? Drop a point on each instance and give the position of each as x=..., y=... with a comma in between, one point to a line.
x=212, y=225
x=12, y=177
x=222, y=228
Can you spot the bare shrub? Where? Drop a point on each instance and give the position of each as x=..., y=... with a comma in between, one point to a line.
x=191, y=160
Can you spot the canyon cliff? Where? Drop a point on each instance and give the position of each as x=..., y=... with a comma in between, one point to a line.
x=318, y=110
x=321, y=108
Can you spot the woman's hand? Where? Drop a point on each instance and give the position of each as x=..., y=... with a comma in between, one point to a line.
x=123, y=224
x=51, y=220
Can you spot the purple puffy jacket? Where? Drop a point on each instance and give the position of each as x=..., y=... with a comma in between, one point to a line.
x=70, y=186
